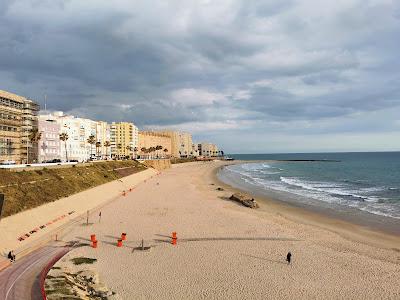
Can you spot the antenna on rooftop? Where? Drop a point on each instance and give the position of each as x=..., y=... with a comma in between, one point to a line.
x=45, y=103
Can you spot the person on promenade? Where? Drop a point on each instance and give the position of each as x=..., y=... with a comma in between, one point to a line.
x=11, y=256
x=289, y=257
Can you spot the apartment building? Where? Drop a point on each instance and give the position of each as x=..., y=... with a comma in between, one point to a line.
x=181, y=143
x=124, y=140
x=103, y=139
x=150, y=140
x=30, y=135
x=78, y=131
x=18, y=120
x=49, y=143
x=208, y=149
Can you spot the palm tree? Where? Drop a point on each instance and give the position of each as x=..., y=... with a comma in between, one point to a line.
x=165, y=151
x=129, y=149
x=107, y=144
x=64, y=137
x=34, y=137
x=91, y=140
x=149, y=151
x=98, y=145
x=135, y=150
x=119, y=147
x=158, y=147
x=143, y=152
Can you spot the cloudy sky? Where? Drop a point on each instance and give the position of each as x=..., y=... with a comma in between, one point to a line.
x=252, y=76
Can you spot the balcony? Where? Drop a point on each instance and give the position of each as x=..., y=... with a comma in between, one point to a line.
x=10, y=122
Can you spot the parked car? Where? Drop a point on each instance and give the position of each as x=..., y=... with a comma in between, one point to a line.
x=8, y=162
x=73, y=160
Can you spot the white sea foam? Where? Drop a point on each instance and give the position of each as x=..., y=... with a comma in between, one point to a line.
x=343, y=193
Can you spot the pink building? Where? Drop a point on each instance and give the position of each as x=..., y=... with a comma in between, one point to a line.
x=49, y=144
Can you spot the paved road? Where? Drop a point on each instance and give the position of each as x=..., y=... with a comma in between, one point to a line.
x=21, y=280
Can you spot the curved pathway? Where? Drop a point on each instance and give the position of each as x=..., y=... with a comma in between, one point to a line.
x=21, y=280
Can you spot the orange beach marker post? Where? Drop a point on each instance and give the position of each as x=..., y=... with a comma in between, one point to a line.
x=94, y=244
x=174, y=238
x=119, y=243
x=93, y=237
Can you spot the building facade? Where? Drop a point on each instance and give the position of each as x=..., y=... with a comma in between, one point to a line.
x=124, y=140
x=18, y=120
x=103, y=140
x=30, y=126
x=181, y=143
x=78, y=131
x=49, y=143
x=208, y=150
x=150, y=140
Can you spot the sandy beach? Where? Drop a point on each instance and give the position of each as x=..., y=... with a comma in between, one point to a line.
x=227, y=251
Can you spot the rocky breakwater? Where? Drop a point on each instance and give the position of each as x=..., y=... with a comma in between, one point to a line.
x=244, y=200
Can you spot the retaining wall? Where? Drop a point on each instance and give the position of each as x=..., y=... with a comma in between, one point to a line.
x=158, y=164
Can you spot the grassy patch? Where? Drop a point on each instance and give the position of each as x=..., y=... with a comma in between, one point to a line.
x=27, y=189
x=182, y=160
x=83, y=260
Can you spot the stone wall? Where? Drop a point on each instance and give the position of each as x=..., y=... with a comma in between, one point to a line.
x=158, y=164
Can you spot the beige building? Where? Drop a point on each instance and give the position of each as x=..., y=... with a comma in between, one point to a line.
x=181, y=143
x=151, y=139
x=208, y=150
x=30, y=123
x=124, y=140
x=18, y=119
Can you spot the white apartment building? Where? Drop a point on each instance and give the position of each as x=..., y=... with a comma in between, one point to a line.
x=79, y=130
x=103, y=136
x=49, y=144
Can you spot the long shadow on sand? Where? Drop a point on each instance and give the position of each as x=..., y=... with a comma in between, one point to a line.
x=263, y=258
x=83, y=239
x=207, y=239
x=112, y=237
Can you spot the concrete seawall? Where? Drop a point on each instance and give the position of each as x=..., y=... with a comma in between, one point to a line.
x=158, y=164
x=23, y=231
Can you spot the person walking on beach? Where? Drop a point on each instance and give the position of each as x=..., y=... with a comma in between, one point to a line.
x=289, y=258
x=99, y=217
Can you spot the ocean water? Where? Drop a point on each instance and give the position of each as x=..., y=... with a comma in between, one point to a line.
x=367, y=182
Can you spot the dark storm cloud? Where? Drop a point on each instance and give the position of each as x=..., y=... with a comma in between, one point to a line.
x=231, y=66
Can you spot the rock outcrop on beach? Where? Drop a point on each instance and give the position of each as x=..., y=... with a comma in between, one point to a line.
x=245, y=200
x=71, y=281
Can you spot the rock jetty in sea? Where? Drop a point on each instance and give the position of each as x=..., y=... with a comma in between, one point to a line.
x=245, y=200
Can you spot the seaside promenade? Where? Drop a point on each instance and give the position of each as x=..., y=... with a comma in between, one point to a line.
x=227, y=251
x=32, y=234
